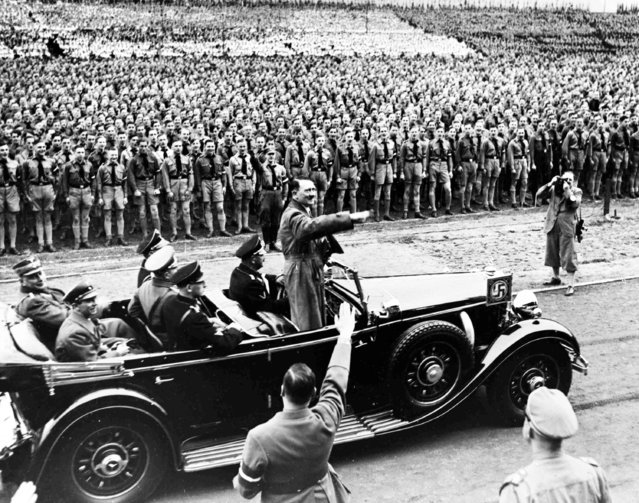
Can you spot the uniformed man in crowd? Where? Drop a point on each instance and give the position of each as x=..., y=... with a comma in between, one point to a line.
x=10, y=191
x=178, y=182
x=597, y=152
x=574, y=149
x=190, y=325
x=439, y=165
x=144, y=180
x=303, y=243
x=210, y=185
x=466, y=156
x=146, y=248
x=41, y=179
x=84, y=338
x=243, y=185
x=366, y=184
x=252, y=289
x=492, y=154
x=553, y=475
x=42, y=303
x=412, y=169
x=78, y=187
x=296, y=155
x=319, y=164
x=540, y=157
x=111, y=189
x=286, y=458
x=147, y=301
x=633, y=164
x=273, y=193
x=617, y=155
x=383, y=169
x=351, y=165
x=519, y=164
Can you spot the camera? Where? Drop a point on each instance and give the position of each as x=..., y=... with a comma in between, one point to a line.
x=580, y=229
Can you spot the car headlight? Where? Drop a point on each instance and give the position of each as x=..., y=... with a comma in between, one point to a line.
x=525, y=305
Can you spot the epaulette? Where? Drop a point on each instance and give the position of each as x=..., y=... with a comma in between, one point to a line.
x=590, y=461
x=514, y=479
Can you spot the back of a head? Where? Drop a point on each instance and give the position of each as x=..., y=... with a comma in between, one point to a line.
x=298, y=384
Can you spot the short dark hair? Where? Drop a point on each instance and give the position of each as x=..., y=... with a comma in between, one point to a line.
x=299, y=383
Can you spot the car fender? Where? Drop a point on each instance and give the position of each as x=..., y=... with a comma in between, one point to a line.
x=110, y=399
x=525, y=333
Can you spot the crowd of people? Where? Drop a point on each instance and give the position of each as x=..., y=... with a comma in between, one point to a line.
x=390, y=126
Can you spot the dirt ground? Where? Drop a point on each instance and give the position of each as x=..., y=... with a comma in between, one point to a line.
x=464, y=457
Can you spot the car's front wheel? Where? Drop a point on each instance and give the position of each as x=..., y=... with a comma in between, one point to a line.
x=427, y=366
x=543, y=364
x=115, y=458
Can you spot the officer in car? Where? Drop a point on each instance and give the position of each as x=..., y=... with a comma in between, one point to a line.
x=82, y=338
x=43, y=304
x=146, y=248
x=189, y=324
x=553, y=475
x=148, y=299
x=252, y=289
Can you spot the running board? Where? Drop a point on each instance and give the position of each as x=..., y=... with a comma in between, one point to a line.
x=352, y=428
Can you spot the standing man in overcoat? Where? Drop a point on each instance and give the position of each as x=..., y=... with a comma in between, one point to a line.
x=303, y=244
x=286, y=458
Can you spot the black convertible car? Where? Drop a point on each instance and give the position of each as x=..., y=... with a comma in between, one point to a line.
x=108, y=430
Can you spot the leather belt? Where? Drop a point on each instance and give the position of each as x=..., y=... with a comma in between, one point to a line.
x=241, y=176
x=78, y=187
x=183, y=177
x=321, y=170
x=491, y=157
x=144, y=178
x=518, y=157
x=7, y=184
x=41, y=184
x=210, y=178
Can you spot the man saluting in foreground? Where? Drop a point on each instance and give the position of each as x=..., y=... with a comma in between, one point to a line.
x=286, y=458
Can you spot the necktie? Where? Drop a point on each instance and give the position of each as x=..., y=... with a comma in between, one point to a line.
x=543, y=141
x=300, y=151
x=164, y=152
x=320, y=159
x=244, y=166
x=229, y=151
x=522, y=146
x=82, y=173
x=496, y=145
x=579, y=139
x=5, y=171
x=145, y=165
x=178, y=164
x=366, y=152
x=113, y=179
x=385, y=152
x=274, y=181
x=40, y=170
x=350, y=156
x=603, y=141
x=441, y=150
x=415, y=150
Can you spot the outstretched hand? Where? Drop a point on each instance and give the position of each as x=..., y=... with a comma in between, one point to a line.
x=359, y=217
x=345, y=322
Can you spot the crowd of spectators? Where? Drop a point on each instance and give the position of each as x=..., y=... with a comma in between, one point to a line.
x=146, y=70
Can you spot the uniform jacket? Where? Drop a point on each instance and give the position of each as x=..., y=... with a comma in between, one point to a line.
x=140, y=168
x=169, y=172
x=304, y=262
x=413, y=152
x=78, y=174
x=491, y=148
x=188, y=327
x=105, y=176
x=561, y=210
x=30, y=174
x=147, y=302
x=256, y=291
x=78, y=340
x=286, y=458
x=47, y=311
x=558, y=478
x=380, y=156
x=13, y=171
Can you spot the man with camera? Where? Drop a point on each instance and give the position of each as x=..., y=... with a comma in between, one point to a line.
x=561, y=227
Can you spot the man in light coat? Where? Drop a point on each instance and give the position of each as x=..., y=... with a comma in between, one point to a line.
x=560, y=227
x=303, y=245
x=286, y=458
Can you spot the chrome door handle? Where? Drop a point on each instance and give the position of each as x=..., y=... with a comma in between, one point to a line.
x=162, y=380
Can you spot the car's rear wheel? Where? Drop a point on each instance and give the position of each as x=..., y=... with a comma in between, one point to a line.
x=427, y=366
x=543, y=364
x=114, y=458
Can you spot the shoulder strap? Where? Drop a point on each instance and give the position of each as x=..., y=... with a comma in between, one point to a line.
x=188, y=311
x=156, y=304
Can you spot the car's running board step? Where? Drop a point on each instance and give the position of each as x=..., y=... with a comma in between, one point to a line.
x=229, y=453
